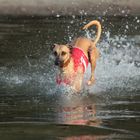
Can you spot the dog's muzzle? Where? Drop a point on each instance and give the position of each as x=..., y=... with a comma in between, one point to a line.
x=58, y=62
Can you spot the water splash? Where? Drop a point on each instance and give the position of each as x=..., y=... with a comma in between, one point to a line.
x=118, y=67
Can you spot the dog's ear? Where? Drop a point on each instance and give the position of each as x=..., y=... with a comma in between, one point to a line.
x=53, y=46
x=70, y=47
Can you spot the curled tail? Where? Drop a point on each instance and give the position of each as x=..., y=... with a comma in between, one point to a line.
x=99, y=29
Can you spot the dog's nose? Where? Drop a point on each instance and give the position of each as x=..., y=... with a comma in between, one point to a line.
x=57, y=62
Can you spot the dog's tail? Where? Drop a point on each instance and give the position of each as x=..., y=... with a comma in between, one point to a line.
x=99, y=29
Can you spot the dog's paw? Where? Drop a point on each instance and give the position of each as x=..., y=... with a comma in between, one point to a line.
x=89, y=83
x=91, y=80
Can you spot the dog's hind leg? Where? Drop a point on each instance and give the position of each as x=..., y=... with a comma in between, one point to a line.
x=93, y=55
x=93, y=51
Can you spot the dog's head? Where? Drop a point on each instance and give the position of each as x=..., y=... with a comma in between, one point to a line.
x=62, y=54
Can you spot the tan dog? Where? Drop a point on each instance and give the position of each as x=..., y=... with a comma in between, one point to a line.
x=73, y=60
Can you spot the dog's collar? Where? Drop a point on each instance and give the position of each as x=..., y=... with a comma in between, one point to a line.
x=66, y=63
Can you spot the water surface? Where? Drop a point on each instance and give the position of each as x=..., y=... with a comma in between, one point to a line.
x=32, y=106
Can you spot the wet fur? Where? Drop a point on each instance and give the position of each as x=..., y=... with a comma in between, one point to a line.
x=63, y=54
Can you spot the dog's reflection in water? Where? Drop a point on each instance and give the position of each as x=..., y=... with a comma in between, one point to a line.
x=78, y=115
x=77, y=111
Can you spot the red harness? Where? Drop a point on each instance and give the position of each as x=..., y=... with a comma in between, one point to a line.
x=80, y=61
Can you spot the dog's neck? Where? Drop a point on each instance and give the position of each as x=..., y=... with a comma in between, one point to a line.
x=66, y=63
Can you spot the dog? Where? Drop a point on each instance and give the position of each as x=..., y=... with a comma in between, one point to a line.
x=73, y=59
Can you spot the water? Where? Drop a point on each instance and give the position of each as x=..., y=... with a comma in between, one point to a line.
x=32, y=106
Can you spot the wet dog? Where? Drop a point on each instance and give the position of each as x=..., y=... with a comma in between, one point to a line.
x=73, y=59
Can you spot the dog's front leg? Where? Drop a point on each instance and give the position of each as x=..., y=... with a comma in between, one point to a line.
x=77, y=82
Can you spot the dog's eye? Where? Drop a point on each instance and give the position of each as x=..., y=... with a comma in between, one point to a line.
x=55, y=53
x=63, y=53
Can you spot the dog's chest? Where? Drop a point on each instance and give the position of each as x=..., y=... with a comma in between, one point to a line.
x=74, y=69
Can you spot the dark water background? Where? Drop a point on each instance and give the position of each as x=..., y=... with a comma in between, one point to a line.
x=33, y=107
